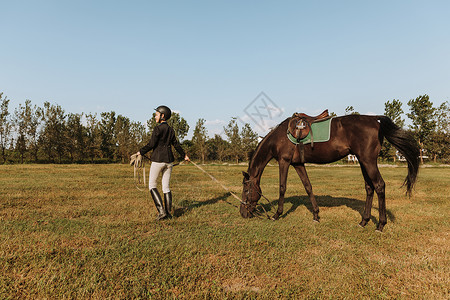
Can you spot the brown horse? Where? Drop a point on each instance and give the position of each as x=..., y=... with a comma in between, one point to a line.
x=359, y=135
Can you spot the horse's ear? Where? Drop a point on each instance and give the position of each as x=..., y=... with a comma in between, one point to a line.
x=246, y=175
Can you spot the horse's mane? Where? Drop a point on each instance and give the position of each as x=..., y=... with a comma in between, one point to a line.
x=252, y=153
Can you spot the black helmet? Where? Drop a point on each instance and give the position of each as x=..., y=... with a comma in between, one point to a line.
x=162, y=109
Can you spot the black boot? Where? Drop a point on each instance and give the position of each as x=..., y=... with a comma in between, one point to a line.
x=168, y=203
x=158, y=203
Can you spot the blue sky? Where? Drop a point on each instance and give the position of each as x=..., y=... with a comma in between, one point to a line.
x=213, y=59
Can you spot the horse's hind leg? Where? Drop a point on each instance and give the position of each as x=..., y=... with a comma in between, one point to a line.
x=301, y=171
x=374, y=182
x=369, y=197
x=380, y=189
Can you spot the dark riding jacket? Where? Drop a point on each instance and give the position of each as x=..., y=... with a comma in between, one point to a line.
x=161, y=141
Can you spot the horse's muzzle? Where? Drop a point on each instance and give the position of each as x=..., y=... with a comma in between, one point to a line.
x=246, y=211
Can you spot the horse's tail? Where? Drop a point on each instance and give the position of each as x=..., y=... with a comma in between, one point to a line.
x=406, y=145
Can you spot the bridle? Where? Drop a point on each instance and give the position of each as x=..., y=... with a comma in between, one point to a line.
x=252, y=185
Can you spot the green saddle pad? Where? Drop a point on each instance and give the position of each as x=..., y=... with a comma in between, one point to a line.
x=321, y=132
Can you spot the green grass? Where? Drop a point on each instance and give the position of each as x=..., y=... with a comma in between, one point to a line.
x=85, y=231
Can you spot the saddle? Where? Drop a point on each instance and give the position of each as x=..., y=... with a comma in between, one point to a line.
x=300, y=126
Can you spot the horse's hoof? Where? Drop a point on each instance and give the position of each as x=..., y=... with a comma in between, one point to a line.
x=316, y=221
x=380, y=227
x=379, y=231
x=275, y=217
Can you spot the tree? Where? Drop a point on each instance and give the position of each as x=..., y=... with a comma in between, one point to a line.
x=423, y=122
x=76, y=137
x=217, y=148
x=123, y=138
x=179, y=125
x=20, y=128
x=240, y=142
x=249, y=138
x=234, y=138
x=440, y=138
x=33, y=117
x=52, y=137
x=187, y=146
x=443, y=118
x=349, y=110
x=93, y=137
x=5, y=126
x=394, y=111
x=199, y=139
x=108, y=140
x=138, y=135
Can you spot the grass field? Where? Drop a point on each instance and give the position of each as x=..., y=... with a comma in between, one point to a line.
x=85, y=231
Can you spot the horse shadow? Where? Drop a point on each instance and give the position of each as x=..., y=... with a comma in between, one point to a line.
x=326, y=201
x=296, y=201
x=188, y=205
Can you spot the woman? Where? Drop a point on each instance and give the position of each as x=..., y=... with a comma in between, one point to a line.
x=161, y=141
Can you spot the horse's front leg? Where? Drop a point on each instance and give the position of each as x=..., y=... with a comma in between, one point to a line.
x=284, y=168
x=301, y=171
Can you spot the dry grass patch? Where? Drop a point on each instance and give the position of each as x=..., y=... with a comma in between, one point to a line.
x=84, y=231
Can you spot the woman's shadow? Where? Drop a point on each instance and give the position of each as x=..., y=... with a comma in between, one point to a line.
x=326, y=201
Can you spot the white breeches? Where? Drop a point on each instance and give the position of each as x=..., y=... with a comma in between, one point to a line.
x=155, y=169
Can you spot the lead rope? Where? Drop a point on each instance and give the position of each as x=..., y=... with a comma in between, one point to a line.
x=138, y=163
x=226, y=189
x=214, y=179
x=270, y=204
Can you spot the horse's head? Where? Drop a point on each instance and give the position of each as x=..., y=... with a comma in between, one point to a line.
x=251, y=193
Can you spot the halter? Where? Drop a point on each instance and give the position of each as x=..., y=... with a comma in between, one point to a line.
x=252, y=184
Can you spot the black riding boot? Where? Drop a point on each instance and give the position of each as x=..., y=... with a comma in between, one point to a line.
x=168, y=203
x=159, y=204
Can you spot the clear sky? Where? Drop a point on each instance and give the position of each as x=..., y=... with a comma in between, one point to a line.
x=213, y=59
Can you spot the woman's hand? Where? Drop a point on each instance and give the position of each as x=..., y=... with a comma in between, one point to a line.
x=186, y=157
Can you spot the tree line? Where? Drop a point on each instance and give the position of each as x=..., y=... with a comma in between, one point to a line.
x=430, y=126
x=49, y=134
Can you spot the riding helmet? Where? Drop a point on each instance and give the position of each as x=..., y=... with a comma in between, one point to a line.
x=162, y=109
